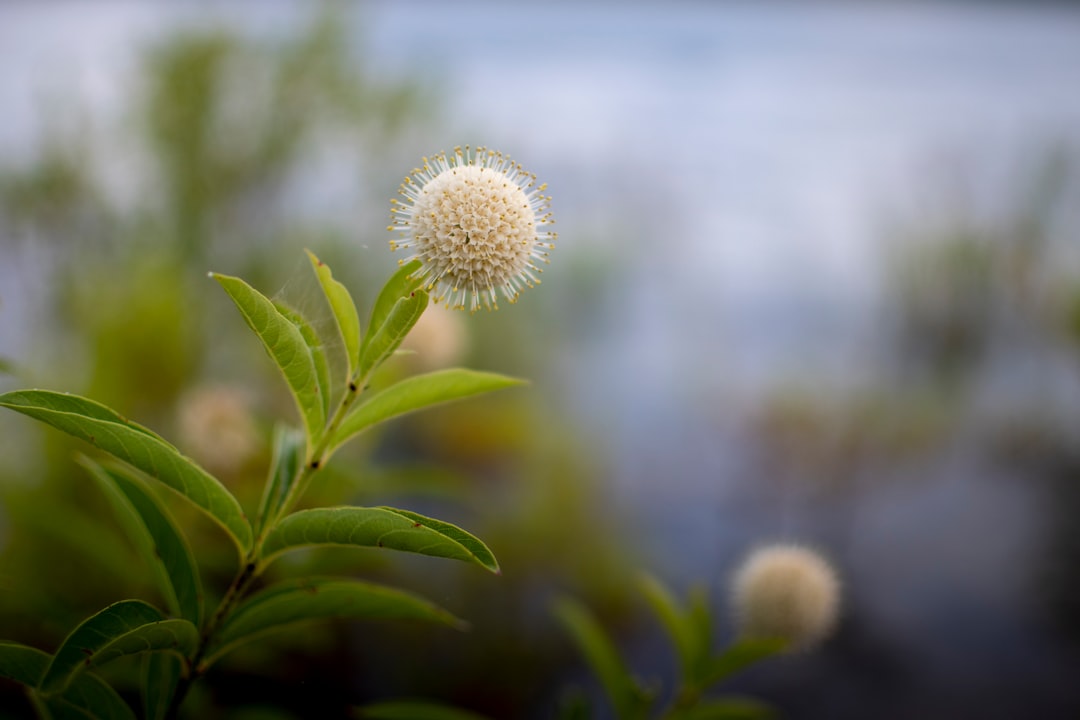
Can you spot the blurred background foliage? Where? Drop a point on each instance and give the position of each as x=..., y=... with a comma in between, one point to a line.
x=226, y=133
x=231, y=158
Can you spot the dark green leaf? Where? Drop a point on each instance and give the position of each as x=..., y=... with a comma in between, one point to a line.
x=419, y=392
x=377, y=527
x=628, y=698
x=285, y=344
x=742, y=654
x=386, y=339
x=315, y=599
x=157, y=536
x=87, y=696
x=123, y=628
x=415, y=710
x=161, y=673
x=23, y=664
x=136, y=446
x=343, y=307
x=289, y=446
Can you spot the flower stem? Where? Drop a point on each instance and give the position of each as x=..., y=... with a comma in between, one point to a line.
x=251, y=567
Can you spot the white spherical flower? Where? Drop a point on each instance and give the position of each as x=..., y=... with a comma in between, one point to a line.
x=477, y=223
x=786, y=592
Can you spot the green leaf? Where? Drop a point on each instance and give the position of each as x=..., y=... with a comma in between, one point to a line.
x=629, y=698
x=87, y=696
x=385, y=340
x=123, y=628
x=679, y=627
x=288, y=458
x=48, y=400
x=730, y=708
x=377, y=527
x=23, y=664
x=315, y=599
x=285, y=344
x=415, y=710
x=318, y=352
x=401, y=284
x=157, y=536
x=136, y=446
x=742, y=654
x=161, y=673
x=6, y=367
x=343, y=307
x=91, y=697
x=418, y=392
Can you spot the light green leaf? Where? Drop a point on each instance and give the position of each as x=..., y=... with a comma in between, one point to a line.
x=315, y=599
x=742, y=654
x=288, y=458
x=48, y=400
x=123, y=628
x=157, y=536
x=285, y=344
x=318, y=352
x=377, y=527
x=630, y=700
x=161, y=673
x=679, y=627
x=730, y=708
x=385, y=340
x=136, y=446
x=343, y=307
x=419, y=392
x=87, y=696
x=415, y=710
x=401, y=284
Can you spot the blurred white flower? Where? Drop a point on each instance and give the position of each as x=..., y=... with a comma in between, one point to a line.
x=216, y=427
x=787, y=592
x=476, y=221
x=439, y=339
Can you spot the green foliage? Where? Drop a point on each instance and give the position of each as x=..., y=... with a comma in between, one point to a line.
x=180, y=648
x=123, y=628
x=415, y=393
x=629, y=699
x=161, y=673
x=86, y=696
x=346, y=316
x=315, y=599
x=137, y=446
x=284, y=343
x=157, y=536
x=376, y=527
x=690, y=631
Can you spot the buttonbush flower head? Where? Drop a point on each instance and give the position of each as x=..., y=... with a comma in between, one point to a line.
x=786, y=592
x=478, y=224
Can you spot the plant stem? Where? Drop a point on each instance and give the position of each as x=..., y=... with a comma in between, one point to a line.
x=316, y=458
x=240, y=583
x=251, y=567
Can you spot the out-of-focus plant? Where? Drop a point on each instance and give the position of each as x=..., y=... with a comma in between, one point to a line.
x=477, y=224
x=785, y=598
